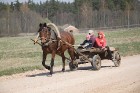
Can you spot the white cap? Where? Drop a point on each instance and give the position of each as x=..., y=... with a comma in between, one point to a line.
x=90, y=31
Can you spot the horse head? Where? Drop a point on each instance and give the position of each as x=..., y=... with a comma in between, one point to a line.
x=44, y=33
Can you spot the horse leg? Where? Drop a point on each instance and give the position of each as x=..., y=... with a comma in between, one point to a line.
x=43, y=61
x=71, y=53
x=63, y=59
x=73, y=64
x=52, y=63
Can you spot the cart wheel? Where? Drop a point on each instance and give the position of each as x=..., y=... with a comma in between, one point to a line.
x=96, y=62
x=116, y=58
x=72, y=66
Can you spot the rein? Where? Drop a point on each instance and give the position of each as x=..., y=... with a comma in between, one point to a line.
x=36, y=42
x=53, y=40
x=48, y=41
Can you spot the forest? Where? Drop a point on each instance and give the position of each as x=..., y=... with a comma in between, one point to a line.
x=23, y=17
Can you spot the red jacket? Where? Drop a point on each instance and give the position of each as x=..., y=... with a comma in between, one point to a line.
x=101, y=42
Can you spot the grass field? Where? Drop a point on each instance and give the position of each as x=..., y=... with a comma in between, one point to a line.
x=19, y=54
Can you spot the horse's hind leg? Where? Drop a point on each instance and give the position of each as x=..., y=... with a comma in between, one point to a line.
x=73, y=65
x=63, y=59
x=43, y=61
x=71, y=53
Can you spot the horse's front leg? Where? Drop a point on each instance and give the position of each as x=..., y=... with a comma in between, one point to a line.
x=43, y=61
x=52, y=62
x=63, y=59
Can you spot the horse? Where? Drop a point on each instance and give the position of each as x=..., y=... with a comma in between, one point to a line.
x=55, y=45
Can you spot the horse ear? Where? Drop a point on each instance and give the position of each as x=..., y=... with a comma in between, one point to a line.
x=45, y=25
x=40, y=25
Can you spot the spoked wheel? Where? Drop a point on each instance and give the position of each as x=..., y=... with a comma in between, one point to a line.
x=116, y=58
x=73, y=66
x=96, y=62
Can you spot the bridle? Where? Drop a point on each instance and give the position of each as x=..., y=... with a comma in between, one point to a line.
x=43, y=30
x=47, y=39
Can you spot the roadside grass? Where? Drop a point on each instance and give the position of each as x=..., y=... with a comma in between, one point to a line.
x=128, y=49
x=19, y=54
x=19, y=70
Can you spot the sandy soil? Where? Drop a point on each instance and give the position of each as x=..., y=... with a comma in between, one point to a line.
x=109, y=79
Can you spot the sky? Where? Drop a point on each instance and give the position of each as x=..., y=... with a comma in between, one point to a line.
x=33, y=0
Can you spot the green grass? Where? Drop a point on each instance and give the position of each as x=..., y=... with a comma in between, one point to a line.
x=128, y=49
x=19, y=70
x=19, y=54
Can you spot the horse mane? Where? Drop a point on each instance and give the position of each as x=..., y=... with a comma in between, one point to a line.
x=55, y=28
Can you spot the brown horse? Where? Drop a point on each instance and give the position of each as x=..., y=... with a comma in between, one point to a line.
x=55, y=45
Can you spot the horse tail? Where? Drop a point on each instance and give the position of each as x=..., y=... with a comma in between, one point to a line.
x=55, y=28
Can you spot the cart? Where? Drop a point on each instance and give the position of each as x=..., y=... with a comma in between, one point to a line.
x=94, y=56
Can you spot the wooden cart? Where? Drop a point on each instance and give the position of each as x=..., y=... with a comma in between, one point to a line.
x=94, y=56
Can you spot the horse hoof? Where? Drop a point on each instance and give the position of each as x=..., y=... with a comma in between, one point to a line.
x=48, y=67
x=50, y=75
x=51, y=71
x=63, y=70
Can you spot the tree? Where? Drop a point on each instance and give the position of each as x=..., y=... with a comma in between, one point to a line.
x=86, y=14
x=110, y=5
x=12, y=6
x=96, y=4
x=3, y=6
x=8, y=16
x=128, y=6
x=52, y=9
x=77, y=4
x=17, y=5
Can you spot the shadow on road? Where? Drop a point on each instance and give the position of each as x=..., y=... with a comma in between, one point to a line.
x=91, y=68
x=46, y=73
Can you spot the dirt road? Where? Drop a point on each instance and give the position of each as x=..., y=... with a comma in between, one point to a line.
x=124, y=79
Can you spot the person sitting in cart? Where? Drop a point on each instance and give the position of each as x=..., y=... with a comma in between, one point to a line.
x=92, y=37
x=87, y=43
x=101, y=43
x=100, y=40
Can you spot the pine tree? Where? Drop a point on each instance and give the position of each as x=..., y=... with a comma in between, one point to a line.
x=17, y=5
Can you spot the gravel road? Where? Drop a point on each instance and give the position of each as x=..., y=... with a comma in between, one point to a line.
x=109, y=79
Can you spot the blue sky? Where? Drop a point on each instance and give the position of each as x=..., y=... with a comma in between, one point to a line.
x=33, y=0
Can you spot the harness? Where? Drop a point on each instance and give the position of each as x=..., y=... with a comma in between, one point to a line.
x=53, y=38
x=48, y=42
